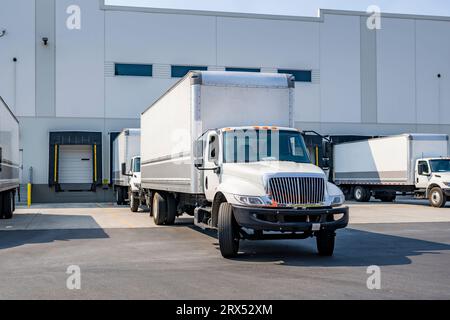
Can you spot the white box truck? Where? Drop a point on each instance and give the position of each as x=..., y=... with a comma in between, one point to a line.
x=9, y=160
x=409, y=163
x=126, y=166
x=220, y=146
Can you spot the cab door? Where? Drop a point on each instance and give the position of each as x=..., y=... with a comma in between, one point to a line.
x=423, y=174
x=211, y=158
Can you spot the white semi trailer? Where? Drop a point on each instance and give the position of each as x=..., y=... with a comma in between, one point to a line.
x=126, y=166
x=9, y=160
x=220, y=146
x=381, y=167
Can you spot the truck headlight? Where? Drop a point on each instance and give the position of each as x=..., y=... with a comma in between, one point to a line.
x=250, y=201
x=337, y=200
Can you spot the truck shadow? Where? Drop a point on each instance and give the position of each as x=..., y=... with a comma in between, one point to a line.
x=353, y=248
x=55, y=228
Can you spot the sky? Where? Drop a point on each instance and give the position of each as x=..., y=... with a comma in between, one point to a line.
x=297, y=7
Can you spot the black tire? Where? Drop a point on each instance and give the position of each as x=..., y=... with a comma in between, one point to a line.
x=171, y=209
x=159, y=209
x=134, y=203
x=361, y=194
x=325, y=243
x=437, y=198
x=119, y=196
x=390, y=198
x=228, y=231
x=8, y=205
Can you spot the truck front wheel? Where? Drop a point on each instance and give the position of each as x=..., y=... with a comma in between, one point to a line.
x=437, y=198
x=228, y=231
x=159, y=209
x=134, y=202
x=325, y=243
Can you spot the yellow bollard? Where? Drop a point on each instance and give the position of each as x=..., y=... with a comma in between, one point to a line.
x=29, y=195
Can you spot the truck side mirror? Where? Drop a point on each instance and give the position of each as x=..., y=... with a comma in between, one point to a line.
x=198, y=153
x=326, y=163
x=124, y=169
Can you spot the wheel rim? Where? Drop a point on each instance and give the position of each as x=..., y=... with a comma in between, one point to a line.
x=155, y=207
x=436, y=197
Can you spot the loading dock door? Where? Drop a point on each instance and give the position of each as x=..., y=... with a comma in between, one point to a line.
x=75, y=165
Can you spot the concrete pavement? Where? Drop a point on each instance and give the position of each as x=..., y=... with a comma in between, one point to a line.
x=124, y=256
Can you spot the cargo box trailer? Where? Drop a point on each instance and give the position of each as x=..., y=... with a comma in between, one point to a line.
x=408, y=163
x=221, y=146
x=9, y=160
x=126, y=165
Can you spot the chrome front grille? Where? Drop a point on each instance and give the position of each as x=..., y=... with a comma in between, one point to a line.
x=297, y=190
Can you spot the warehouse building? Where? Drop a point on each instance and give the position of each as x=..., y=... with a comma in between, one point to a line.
x=76, y=72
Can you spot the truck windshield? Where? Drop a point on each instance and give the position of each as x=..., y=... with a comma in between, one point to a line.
x=137, y=165
x=243, y=146
x=441, y=165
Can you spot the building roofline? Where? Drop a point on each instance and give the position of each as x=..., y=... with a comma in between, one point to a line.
x=318, y=18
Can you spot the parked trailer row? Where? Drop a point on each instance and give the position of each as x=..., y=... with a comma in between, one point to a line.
x=220, y=146
x=9, y=159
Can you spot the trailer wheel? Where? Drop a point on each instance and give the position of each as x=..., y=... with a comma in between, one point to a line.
x=134, y=203
x=171, y=209
x=437, y=198
x=361, y=194
x=7, y=205
x=325, y=243
x=159, y=209
x=228, y=231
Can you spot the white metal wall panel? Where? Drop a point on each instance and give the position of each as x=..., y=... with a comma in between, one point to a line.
x=267, y=43
x=340, y=74
x=396, y=71
x=75, y=164
x=17, y=79
x=160, y=38
x=433, y=58
x=80, y=61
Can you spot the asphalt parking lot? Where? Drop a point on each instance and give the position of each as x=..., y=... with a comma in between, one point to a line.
x=123, y=255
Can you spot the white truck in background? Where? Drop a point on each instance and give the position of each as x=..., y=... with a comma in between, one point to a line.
x=221, y=146
x=9, y=160
x=126, y=167
x=410, y=163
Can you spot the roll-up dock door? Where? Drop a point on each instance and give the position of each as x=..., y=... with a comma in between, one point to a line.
x=75, y=162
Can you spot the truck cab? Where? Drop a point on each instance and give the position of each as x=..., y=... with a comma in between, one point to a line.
x=432, y=177
x=134, y=182
x=261, y=180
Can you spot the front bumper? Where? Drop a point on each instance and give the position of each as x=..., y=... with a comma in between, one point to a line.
x=291, y=220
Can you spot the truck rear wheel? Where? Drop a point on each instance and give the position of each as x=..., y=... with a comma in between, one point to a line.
x=437, y=198
x=171, y=209
x=361, y=194
x=7, y=205
x=159, y=209
x=228, y=231
x=325, y=243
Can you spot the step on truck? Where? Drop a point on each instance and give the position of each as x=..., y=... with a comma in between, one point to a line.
x=126, y=167
x=9, y=160
x=416, y=164
x=221, y=147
